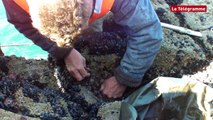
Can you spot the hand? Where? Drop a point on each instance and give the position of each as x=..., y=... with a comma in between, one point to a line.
x=76, y=65
x=112, y=88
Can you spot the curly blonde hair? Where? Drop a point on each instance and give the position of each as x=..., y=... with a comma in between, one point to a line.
x=59, y=20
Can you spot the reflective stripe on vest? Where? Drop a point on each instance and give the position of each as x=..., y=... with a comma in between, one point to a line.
x=102, y=7
x=23, y=4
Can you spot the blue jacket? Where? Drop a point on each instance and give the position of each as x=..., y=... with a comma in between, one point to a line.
x=137, y=19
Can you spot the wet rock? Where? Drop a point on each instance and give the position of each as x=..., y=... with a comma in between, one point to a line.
x=181, y=53
x=3, y=68
x=174, y=2
x=110, y=111
x=21, y=93
x=199, y=20
x=102, y=43
x=31, y=108
x=38, y=89
x=9, y=102
x=37, y=72
x=163, y=11
x=88, y=95
x=7, y=115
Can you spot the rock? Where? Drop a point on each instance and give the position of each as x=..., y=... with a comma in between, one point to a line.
x=7, y=115
x=36, y=71
x=3, y=67
x=31, y=87
x=163, y=11
x=33, y=108
x=88, y=95
x=23, y=91
x=174, y=2
x=110, y=111
x=181, y=53
x=199, y=20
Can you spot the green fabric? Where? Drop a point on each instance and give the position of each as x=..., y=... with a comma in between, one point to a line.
x=167, y=98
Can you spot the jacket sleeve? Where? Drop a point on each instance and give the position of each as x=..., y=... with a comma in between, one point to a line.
x=23, y=23
x=140, y=22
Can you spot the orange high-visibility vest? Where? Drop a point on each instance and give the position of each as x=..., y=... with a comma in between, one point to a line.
x=104, y=8
x=23, y=4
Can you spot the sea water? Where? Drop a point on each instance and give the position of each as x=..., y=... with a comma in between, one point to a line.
x=14, y=43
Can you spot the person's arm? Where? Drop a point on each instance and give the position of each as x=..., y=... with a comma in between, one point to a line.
x=74, y=61
x=1, y=53
x=140, y=22
x=23, y=23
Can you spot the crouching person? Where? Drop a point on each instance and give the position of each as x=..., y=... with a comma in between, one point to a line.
x=54, y=24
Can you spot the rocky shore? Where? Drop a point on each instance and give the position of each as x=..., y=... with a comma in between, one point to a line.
x=44, y=90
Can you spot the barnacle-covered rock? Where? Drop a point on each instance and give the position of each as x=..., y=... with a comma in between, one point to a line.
x=23, y=92
x=174, y=2
x=38, y=89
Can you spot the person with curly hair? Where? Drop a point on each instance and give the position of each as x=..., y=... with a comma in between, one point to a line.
x=54, y=24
